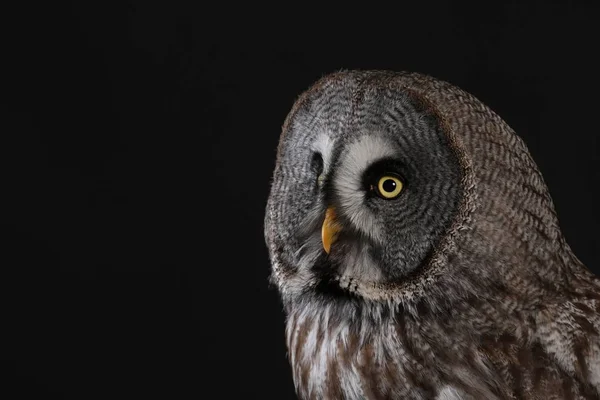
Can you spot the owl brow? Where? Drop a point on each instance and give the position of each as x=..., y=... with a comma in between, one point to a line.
x=384, y=166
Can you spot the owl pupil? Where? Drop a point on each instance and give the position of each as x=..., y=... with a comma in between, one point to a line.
x=389, y=185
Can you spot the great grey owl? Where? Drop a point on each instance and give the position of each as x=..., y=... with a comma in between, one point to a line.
x=417, y=251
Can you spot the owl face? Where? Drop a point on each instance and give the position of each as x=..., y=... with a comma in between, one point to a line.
x=366, y=184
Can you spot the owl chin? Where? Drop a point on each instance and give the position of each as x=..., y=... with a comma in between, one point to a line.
x=325, y=266
x=327, y=273
x=343, y=262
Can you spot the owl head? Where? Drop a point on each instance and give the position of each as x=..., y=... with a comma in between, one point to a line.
x=381, y=176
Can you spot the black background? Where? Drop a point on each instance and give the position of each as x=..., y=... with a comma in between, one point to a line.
x=138, y=149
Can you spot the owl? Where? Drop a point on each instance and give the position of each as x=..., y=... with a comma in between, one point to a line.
x=417, y=251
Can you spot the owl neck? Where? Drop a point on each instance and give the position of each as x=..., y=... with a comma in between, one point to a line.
x=356, y=348
x=370, y=351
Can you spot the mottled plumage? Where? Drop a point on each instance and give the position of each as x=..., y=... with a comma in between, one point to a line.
x=462, y=287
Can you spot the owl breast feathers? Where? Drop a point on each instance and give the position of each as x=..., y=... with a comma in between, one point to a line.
x=417, y=251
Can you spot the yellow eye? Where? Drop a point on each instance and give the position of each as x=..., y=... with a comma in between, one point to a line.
x=389, y=187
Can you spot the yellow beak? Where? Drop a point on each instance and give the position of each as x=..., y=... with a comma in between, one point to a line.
x=330, y=229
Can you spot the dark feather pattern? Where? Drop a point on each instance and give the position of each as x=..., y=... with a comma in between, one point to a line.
x=498, y=308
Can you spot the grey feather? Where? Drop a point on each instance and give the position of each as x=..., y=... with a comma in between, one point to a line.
x=463, y=287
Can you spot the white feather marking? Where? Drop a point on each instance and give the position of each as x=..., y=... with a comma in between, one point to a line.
x=449, y=393
x=350, y=381
x=348, y=181
x=319, y=365
x=324, y=145
x=594, y=360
